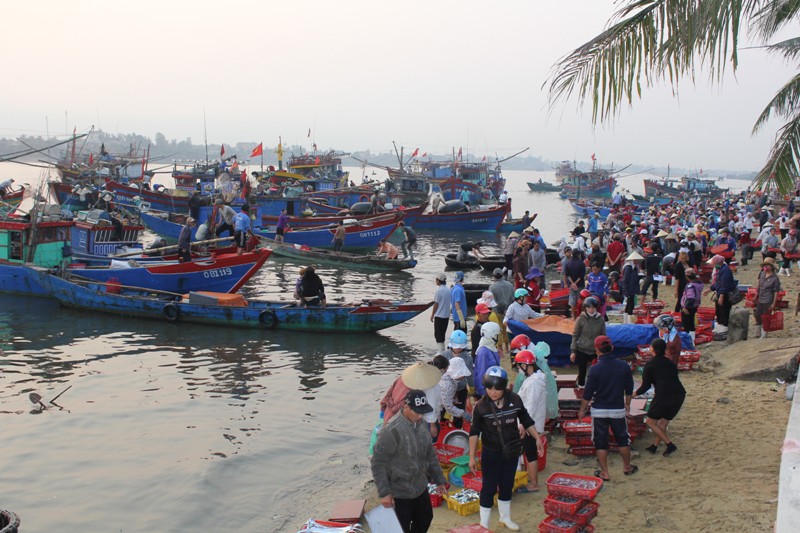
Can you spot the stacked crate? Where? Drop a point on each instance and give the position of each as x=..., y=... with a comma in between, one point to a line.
x=570, y=504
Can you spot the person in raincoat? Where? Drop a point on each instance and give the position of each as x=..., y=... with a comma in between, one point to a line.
x=542, y=351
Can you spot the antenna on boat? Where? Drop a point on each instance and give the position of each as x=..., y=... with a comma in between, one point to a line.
x=205, y=134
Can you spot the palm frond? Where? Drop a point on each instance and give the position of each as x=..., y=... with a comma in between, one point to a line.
x=790, y=48
x=781, y=168
x=649, y=41
x=770, y=16
x=784, y=103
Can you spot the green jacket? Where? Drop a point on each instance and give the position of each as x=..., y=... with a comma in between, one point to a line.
x=587, y=329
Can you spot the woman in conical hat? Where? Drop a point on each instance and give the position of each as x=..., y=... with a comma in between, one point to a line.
x=419, y=376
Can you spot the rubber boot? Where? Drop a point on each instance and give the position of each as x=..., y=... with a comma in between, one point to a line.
x=486, y=515
x=763, y=333
x=692, y=335
x=505, y=515
x=440, y=348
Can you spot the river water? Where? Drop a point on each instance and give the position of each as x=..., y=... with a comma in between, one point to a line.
x=172, y=427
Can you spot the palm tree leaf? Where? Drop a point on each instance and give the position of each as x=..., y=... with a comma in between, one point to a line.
x=784, y=103
x=782, y=166
x=649, y=41
x=790, y=48
x=773, y=15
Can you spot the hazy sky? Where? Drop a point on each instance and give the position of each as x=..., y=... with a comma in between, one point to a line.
x=430, y=74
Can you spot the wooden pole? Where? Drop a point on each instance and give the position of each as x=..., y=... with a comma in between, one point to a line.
x=172, y=247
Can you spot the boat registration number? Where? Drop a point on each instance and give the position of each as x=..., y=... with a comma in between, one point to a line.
x=218, y=273
x=373, y=233
x=480, y=220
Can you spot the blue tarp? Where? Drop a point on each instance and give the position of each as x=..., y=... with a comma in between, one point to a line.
x=626, y=339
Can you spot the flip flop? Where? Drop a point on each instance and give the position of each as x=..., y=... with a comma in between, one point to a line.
x=632, y=471
x=523, y=489
x=597, y=474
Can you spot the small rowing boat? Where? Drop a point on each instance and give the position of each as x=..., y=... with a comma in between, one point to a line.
x=319, y=255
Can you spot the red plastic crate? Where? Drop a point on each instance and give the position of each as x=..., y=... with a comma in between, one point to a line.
x=548, y=525
x=447, y=453
x=577, y=427
x=685, y=366
x=655, y=304
x=586, y=514
x=574, y=485
x=689, y=356
x=562, y=506
x=707, y=313
x=436, y=500
x=579, y=440
x=581, y=451
x=473, y=481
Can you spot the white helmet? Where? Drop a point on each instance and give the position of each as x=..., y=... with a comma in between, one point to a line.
x=490, y=330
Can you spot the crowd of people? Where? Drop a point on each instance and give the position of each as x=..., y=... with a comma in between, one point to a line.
x=617, y=258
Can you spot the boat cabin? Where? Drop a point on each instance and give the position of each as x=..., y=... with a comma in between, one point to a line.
x=44, y=244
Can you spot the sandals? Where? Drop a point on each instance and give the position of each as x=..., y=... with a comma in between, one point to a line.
x=597, y=474
x=632, y=471
x=523, y=489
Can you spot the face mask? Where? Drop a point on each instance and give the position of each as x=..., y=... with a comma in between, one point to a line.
x=766, y=269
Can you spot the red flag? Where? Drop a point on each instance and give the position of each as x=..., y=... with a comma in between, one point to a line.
x=592, y=157
x=316, y=161
x=222, y=151
x=258, y=150
x=91, y=159
x=415, y=153
x=315, y=147
x=425, y=154
x=309, y=133
x=484, y=158
x=459, y=152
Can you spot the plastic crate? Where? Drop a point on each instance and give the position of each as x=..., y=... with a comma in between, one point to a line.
x=578, y=427
x=563, y=484
x=685, y=366
x=655, y=304
x=581, y=451
x=579, y=440
x=463, y=509
x=567, y=414
x=553, y=524
x=563, y=506
x=447, y=453
x=520, y=479
x=473, y=481
x=772, y=321
x=707, y=313
x=586, y=514
x=689, y=356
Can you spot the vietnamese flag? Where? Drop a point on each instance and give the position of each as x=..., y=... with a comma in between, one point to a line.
x=459, y=152
x=425, y=154
x=415, y=153
x=222, y=151
x=91, y=159
x=316, y=160
x=258, y=150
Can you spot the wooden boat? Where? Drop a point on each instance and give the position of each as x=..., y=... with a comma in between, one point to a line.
x=221, y=273
x=348, y=260
x=175, y=202
x=229, y=310
x=686, y=185
x=543, y=186
x=360, y=233
x=489, y=219
x=490, y=262
x=11, y=200
x=470, y=263
x=474, y=291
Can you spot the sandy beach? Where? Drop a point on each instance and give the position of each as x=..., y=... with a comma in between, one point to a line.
x=724, y=476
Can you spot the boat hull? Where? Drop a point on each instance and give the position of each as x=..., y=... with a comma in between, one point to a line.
x=369, y=317
x=225, y=273
x=479, y=220
x=360, y=262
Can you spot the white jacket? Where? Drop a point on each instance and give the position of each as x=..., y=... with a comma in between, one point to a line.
x=534, y=397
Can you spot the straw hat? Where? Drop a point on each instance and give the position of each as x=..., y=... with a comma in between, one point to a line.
x=769, y=261
x=662, y=233
x=634, y=257
x=420, y=376
x=586, y=235
x=672, y=236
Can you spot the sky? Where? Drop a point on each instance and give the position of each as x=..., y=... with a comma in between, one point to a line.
x=360, y=74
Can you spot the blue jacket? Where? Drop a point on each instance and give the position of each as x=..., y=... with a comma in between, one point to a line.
x=484, y=358
x=724, y=282
x=608, y=382
x=457, y=294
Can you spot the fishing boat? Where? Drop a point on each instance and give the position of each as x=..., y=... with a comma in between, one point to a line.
x=543, y=186
x=97, y=234
x=230, y=310
x=314, y=219
x=348, y=260
x=220, y=273
x=478, y=219
x=174, y=201
x=593, y=189
x=490, y=262
x=360, y=233
x=686, y=185
x=11, y=200
x=44, y=244
x=474, y=291
x=465, y=264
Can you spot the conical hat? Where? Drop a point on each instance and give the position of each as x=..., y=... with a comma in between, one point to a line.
x=421, y=376
x=634, y=257
x=662, y=233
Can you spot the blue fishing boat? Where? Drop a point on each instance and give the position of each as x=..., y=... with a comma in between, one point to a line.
x=230, y=310
x=220, y=273
x=134, y=196
x=360, y=233
x=479, y=219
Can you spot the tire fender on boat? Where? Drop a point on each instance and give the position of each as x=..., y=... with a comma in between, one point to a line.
x=267, y=318
x=170, y=312
x=364, y=198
